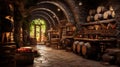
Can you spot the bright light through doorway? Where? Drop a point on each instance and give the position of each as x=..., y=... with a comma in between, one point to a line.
x=38, y=29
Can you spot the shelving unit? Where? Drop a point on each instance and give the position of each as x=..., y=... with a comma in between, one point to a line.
x=100, y=28
x=54, y=38
x=67, y=32
x=99, y=34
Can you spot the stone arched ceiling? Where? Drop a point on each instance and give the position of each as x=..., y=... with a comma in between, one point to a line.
x=61, y=6
x=58, y=5
x=70, y=10
x=45, y=9
x=45, y=14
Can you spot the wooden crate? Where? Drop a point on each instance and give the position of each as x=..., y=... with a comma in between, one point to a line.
x=24, y=58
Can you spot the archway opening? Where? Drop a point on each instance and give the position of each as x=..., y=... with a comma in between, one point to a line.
x=38, y=30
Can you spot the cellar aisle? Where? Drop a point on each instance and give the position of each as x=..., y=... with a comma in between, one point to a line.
x=61, y=58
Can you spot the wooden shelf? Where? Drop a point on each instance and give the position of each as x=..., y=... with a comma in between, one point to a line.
x=67, y=37
x=87, y=39
x=99, y=22
x=54, y=42
x=109, y=32
x=55, y=39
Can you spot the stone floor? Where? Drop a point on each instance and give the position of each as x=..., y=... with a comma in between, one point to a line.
x=60, y=58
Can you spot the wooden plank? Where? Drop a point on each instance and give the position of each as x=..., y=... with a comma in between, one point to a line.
x=98, y=22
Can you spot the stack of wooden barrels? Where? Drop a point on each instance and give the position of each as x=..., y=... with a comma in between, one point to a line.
x=101, y=13
x=109, y=14
x=84, y=49
x=90, y=17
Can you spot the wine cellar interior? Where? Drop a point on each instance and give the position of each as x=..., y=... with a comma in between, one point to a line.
x=87, y=29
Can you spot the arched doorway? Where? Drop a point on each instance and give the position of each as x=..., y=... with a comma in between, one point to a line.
x=38, y=30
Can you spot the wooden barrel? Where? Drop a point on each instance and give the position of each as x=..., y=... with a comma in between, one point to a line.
x=98, y=17
x=90, y=18
x=92, y=12
x=109, y=14
x=68, y=42
x=108, y=59
x=79, y=46
x=100, y=9
x=112, y=55
x=74, y=46
x=86, y=49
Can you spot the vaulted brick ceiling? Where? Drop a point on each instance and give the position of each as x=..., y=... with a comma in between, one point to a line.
x=68, y=9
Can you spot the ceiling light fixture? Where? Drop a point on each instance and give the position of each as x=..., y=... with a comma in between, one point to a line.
x=58, y=9
x=80, y=3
